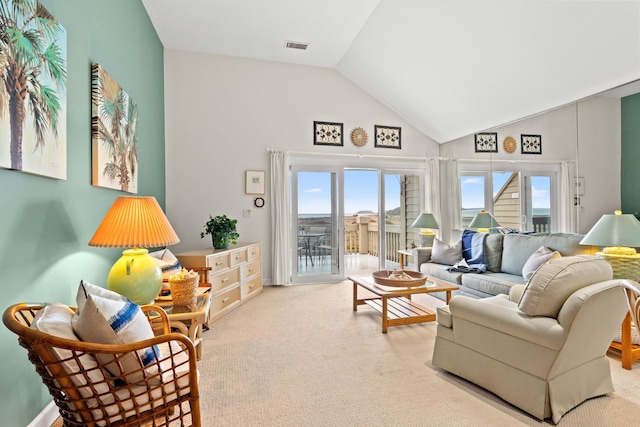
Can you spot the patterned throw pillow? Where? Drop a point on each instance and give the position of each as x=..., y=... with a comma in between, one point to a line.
x=106, y=317
x=167, y=262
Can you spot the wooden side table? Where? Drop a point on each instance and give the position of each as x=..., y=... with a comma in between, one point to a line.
x=402, y=254
x=189, y=323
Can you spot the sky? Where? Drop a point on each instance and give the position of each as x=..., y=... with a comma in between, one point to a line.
x=361, y=191
x=472, y=190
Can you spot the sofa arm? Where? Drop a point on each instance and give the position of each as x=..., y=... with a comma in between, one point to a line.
x=420, y=256
x=515, y=293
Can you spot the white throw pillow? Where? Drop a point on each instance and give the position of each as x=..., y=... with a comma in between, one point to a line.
x=556, y=280
x=55, y=319
x=536, y=259
x=106, y=317
x=444, y=254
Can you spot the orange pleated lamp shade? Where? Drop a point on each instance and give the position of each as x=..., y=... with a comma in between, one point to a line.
x=134, y=222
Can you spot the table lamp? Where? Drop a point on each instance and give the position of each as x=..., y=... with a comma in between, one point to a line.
x=483, y=221
x=426, y=221
x=618, y=234
x=136, y=223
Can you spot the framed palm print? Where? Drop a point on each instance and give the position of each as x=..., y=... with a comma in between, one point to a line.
x=114, y=142
x=33, y=99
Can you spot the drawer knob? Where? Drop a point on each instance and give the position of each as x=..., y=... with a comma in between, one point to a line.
x=226, y=279
x=251, y=285
x=225, y=300
x=251, y=269
x=219, y=263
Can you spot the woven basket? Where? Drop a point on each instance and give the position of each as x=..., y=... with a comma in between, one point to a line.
x=184, y=291
x=624, y=266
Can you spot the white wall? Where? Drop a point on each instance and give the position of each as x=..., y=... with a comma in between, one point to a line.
x=596, y=147
x=221, y=113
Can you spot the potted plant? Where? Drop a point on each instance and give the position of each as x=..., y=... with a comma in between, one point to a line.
x=222, y=230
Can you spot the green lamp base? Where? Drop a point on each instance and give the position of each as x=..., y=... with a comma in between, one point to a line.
x=136, y=275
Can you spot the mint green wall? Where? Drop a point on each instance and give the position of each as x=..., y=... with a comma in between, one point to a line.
x=45, y=223
x=630, y=173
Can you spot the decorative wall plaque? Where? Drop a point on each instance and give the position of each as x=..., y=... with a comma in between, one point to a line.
x=509, y=144
x=387, y=136
x=359, y=137
x=531, y=144
x=486, y=142
x=327, y=133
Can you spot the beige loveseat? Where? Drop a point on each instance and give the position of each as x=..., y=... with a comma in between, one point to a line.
x=506, y=255
x=543, y=347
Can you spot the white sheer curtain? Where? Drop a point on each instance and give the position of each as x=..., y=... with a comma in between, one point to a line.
x=432, y=189
x=568, y=222
x=449, y=198
x=280, y=219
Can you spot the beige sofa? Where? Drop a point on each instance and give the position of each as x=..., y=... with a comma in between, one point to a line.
x=543, y=347
x=506, y=255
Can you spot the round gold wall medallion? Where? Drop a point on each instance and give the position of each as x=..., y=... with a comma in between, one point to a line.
x=509, y=144
x=359, y=137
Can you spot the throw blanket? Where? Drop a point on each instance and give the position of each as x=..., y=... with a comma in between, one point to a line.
x=474, y=259
x=463, y=267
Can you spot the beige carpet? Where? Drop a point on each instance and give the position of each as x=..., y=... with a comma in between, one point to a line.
x=299, y=356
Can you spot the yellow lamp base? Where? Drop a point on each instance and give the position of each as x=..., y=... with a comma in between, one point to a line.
x=136, y=275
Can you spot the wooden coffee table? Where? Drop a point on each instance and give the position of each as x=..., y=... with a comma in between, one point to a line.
x=395, y=304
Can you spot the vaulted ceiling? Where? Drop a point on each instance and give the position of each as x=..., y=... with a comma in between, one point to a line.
x=448, y=67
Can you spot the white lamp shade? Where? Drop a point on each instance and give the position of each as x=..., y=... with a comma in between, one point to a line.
x=614, y=230
x=484, y=220
x=425, y=220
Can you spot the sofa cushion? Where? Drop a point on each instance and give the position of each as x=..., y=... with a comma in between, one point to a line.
x=539, y=257
x=444, y=254
x=517, y=248
x=493, y=251
x=439, y=271
x=491, y=283
x=556, y=280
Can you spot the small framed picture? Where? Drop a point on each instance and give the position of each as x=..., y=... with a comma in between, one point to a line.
x=486, y=142
x=327, y=133
x=531, y=144
x=254, y=182
x=387, y=136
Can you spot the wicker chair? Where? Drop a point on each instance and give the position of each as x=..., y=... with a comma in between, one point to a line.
x=87, y=394
x=629, y=352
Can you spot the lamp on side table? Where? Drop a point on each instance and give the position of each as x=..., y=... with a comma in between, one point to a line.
x=619, y=234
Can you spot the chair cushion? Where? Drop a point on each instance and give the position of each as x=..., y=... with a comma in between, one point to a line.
x=556, y=280
x=539, y=257
x=444, y=254
x=106, y=317
x=55, y=319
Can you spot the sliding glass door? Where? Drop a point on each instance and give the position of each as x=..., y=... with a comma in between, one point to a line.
x=351, y=221
x=316, y=236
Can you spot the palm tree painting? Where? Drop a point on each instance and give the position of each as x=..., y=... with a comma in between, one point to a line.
x=114, y=116
x=33, y=77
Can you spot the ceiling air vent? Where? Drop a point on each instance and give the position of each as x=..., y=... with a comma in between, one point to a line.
x=296, y=45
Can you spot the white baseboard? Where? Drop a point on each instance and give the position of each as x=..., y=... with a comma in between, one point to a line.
x=46, y=417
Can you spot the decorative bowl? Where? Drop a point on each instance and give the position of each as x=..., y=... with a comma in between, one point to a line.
x=409, y=279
